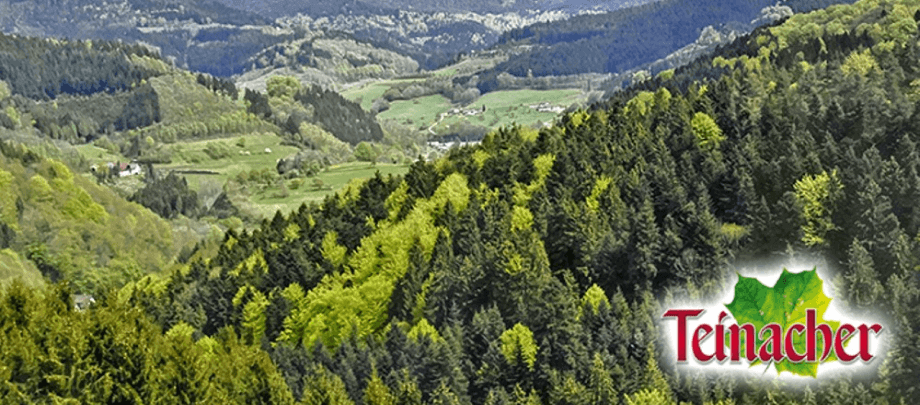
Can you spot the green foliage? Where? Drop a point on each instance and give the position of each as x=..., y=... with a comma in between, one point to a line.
x=627, y=202
x=640, y=104
x=325, y=388
x=396, y=200
x=859, y=64
x=332, y=251
x=375, y=265
x=323, y=140
x=132, y=361
x=13, y=115
x=15, y=267
x=648, y=397
x=817, y=195
x=600, y=186
x=861, y=279
x=521, y=219
x=593, y=299
x=4, y=90
x=70, y=227
x=255, y=264
x=253, y=322
x=733, y=233
x=8, y=211
x=41, y=69
x=377, y=393
x=600, y=383
x=169, y=197
x=423, y=328
x=665, y=74
x=479, y=157
x=180, y=330
x=283, y=86
x=218, y=150
x=518, y=346
x=454, y=190
x=707, y=132
x=365, y=152
x=783, y=304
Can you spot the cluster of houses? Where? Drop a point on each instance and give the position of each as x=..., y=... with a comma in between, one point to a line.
x=547, y=108
x=121, y=169
x=446, y=146
x=469, y=112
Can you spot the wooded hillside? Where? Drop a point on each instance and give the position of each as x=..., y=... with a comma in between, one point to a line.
x=532, y=268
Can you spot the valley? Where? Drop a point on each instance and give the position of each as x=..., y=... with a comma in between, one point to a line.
x=392, y=202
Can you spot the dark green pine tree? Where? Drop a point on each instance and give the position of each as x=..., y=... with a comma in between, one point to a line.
x=863, y=288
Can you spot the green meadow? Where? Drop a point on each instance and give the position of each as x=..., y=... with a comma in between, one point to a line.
x=333, y=179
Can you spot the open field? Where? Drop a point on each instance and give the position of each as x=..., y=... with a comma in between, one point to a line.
x=334, y=179
x=507, y=107
x=263, y=152
x=417, y=113
x=97, y=155
x=200, y=170
x=368, y=92
x=503, y=108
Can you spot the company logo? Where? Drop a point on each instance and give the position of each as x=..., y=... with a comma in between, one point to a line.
x=782, y=325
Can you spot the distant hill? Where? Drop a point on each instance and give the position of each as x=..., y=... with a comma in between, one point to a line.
x=201, y=35
x=120, y=95
x=278, y=8
x=620, y=40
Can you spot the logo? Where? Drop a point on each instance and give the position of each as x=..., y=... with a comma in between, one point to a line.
x=782, y=326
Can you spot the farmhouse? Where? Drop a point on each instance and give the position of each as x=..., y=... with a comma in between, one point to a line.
x=122, y=169
x=129, y=169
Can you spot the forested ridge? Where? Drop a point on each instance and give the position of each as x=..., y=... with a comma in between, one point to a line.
x=532, y=268
x=118, y=95
x=621, y=40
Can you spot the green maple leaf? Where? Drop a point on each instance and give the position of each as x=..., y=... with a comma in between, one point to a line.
x=784, y=304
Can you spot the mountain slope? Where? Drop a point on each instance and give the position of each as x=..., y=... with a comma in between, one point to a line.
x=73, y=229
x=532, y=268
x=534, y=260
x=618, y=41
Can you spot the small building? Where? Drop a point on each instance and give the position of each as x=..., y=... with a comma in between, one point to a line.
x=129, y=169
x=82, y=301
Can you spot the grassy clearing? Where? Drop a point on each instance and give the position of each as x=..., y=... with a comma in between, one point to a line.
x=503, y=108
x=417, y=113
x=188, y=156
x=97, y=155
x=191, y=156
x=269, y=201
x=368, y=92
x=447, y=71
x=508, y=107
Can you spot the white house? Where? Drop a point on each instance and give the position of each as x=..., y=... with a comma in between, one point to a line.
x=129, y=169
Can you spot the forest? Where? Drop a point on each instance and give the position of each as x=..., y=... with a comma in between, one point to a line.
x=531, y=268
x=621, y=40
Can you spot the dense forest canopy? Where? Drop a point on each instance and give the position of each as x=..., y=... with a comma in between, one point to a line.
x=531, y=268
